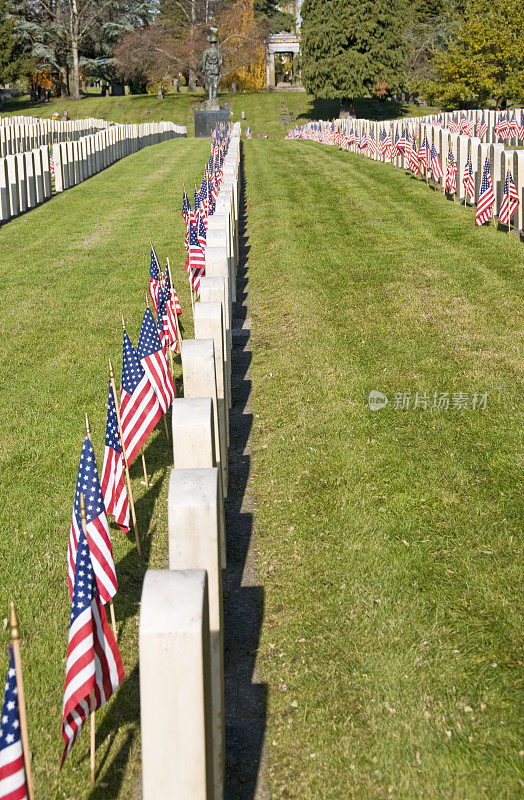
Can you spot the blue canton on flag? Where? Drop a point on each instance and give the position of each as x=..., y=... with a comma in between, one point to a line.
x=12, y=771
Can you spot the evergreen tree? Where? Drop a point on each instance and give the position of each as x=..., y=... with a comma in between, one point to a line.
x=352, y=48
x=13, y=62
x=271, y=18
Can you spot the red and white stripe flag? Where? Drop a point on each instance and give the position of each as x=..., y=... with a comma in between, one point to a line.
x=93, y=661
x=113, y=476
x=12, y=771
x=98, y=537
x=139, y=406
x=152, y=356
x=486, y=199
x=510, y=200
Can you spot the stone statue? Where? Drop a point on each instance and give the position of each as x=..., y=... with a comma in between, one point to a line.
x=210, y=65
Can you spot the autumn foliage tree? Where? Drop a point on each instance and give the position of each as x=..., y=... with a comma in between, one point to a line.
x=243, y=48
x=485, y=59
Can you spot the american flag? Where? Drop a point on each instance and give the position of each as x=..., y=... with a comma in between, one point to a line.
x=436, y=166
x=451, y=174
x=482, y=128
x=372, y=144
x=468, y=180
x=453, y=124
x=154, y=278
x=510, y=200
x=113, y=481
x=486, y=199
x=413, y=157
x=12, y=772
x=197, y=260
x=98, y=537
x=396, y=149
x=513, y=127
x=381, y=143
x=93, y=659
x=139, y=406
x=161, y=321
x=152, y=355
x=186, y=214
x=388, y=146
x=52, y=166
x=423, y=153
x=502, y=127
x=201, y=233
x=173, y=310
x=403, y=142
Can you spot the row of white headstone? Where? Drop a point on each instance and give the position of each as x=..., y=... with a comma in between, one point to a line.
x=501, y=158
x=25, y=177
x=181, y=619
x=18, y=134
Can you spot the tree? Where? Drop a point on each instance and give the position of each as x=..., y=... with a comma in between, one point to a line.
x=72, y=35
x=242, y=43
x=13, y=63
x=270, y=18
x=428, y=30
x=351, y=47
x=485, y=60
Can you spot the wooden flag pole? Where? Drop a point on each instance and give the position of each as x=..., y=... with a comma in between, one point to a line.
x=14, y=626
x=92, y=700
x=142, y=451
x=126, y=466
x=84, y=527
x=146, y=479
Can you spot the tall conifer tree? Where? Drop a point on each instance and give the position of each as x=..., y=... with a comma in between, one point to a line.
x=352, y=48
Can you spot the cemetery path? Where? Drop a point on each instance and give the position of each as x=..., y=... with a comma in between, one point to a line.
x=245, y=694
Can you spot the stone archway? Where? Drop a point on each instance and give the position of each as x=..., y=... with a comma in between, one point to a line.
x=281, y=49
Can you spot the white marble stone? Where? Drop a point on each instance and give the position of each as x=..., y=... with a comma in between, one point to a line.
x=175, y=687
x=199, y=374
x=195, y=515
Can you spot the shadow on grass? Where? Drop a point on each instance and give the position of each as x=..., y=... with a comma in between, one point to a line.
x=245, y=699
x=124, y=712
x=364, y=108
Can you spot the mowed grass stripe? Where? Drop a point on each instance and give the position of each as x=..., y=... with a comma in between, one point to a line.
x=68, y=270
x=388, y=541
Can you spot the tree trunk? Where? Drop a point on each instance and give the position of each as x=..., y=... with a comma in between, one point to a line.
x=347, y=109
x=191, y=83
x=73, y=30
x=62, y=70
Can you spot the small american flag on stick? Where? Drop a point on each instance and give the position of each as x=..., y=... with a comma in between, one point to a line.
x=97, y=530
x=152, y=356
x=510, y=200
x=94, y=667
x=13, y=784
x=139, y=406
x=486, y=199
x=113, y=476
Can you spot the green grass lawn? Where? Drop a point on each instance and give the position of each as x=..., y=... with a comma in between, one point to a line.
x=68, y=270
x=263, y=110
x=388, y=540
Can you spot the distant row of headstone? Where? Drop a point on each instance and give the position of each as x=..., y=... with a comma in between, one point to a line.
x=471, y=136
x=58, y=156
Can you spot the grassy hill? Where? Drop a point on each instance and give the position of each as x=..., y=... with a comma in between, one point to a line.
x=263, y=110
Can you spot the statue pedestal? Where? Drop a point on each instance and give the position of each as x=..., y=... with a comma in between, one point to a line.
x=206, y=119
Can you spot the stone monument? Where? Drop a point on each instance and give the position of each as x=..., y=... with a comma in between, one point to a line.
x=210, y=112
